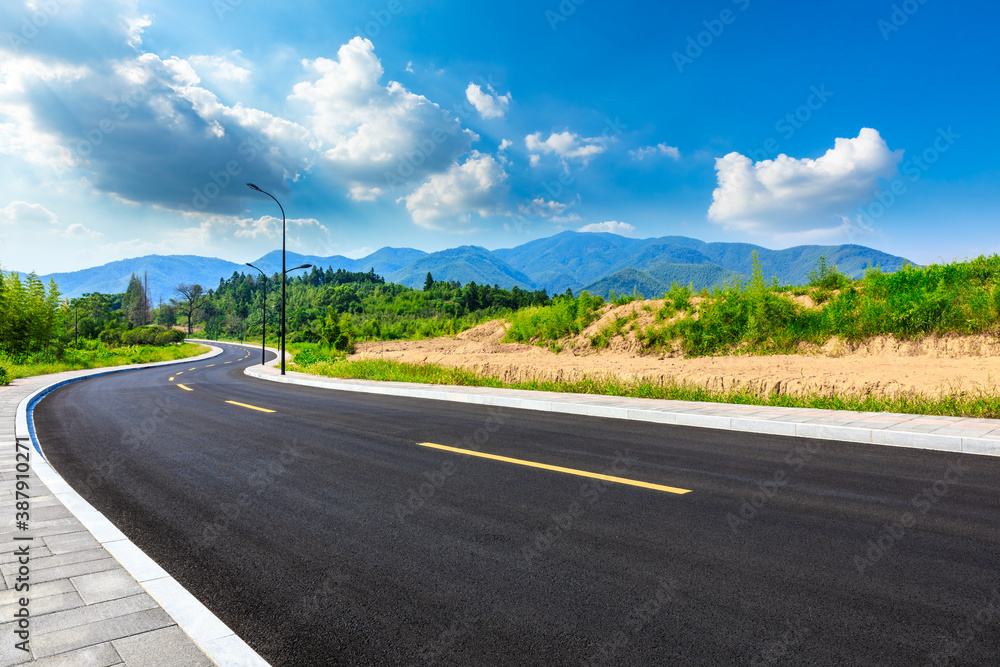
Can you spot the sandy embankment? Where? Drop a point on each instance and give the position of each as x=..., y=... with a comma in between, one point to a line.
x=882, y=366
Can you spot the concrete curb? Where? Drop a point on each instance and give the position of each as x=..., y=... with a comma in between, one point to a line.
x=950, y=434
x=219, y=643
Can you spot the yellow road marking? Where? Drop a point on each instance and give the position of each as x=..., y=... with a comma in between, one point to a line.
x=569, y=471
x=252, y=407
x=209, y=366
x=180, y=372
x=171, y=379
x=229, y=362
x=192, y=369
x=185, y=388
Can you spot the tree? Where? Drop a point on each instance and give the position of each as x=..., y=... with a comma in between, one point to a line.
x=428, y=282
x=191, y=299
x=136, y=301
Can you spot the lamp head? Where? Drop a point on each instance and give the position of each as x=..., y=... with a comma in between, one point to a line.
x=254, y=187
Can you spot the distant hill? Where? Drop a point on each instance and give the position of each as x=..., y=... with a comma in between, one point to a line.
x=657, y=278
x=465, y=264
x=599, y=262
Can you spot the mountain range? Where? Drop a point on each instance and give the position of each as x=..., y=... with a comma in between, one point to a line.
x=598, y=262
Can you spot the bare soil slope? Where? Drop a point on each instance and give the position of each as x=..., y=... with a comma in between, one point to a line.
x=881, y=366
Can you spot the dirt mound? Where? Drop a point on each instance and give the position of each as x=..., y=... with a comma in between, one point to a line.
x=880, y=366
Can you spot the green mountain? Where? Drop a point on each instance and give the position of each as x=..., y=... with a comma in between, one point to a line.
x=599, y=262
x=465, y=264
x=657, y=278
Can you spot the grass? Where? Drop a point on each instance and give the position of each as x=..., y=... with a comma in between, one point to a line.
x=45, y=363
x=978, y=405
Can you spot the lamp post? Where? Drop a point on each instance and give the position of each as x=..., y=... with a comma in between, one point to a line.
x=283, y=271
x=263, y=326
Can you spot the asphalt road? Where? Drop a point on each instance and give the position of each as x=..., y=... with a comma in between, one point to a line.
x=323, y=534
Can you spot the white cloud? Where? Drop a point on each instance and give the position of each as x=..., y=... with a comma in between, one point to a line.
x=221, y=68
x=488, y=104
x=445, y=199
x=23, y=213
x=789, y=195
x=565, y=145
x=611, y=227
x=79, y=231
x=655, y=151
x=504, y=145
x=379, y=136
x=364, y=193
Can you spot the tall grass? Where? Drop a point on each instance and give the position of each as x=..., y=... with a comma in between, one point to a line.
x=978, y=405
x=93, y=355
x=962, y=298
x=565, y=317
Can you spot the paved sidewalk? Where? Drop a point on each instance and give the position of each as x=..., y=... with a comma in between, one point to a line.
x=952, y=434
x=86, y=603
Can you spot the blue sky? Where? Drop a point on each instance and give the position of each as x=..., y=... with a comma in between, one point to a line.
x=128, y=128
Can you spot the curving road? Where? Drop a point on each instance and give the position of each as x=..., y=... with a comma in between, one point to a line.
x=323, y=533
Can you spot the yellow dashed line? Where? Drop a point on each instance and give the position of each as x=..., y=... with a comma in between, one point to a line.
x=252, y=407
x=185, y=388
x=171, y=379
x=568, y=471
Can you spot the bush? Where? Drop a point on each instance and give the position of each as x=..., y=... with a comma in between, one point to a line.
x=826, y=275
x=169, y=337
x=4, y=378
x=111, y=337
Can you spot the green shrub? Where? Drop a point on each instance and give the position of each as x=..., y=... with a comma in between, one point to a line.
x=111, y=337
x=4, y=378
x=826, y=275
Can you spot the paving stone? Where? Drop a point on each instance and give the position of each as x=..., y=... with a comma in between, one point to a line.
x=107, y=585
x=39, y=563
x=79, y=540
x=100, y=655
x=61, y=641
x=73, y=570
x=38, y=590
x=168, y=647
x=91, y=613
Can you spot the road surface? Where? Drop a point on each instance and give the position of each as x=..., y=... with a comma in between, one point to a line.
x=324, y=528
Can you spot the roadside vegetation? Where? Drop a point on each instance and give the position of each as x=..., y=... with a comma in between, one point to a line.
x=41, y=333
x=966, y=405
x=762, y=317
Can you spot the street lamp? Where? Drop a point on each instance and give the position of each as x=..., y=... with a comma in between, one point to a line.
x=263, y=326
x=283, y=271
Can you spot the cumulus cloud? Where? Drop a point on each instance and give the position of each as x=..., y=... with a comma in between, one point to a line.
x=565, y=145
x=611, y=227
x=23, y=213
x=221, y=68
x=655, y=151
x=448, y=200
x=489, y=104
x=789, y=195
x=381, y=136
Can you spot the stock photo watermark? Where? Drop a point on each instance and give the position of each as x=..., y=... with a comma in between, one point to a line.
x=589, y=494
x=33, y=24
x=766, y=491
x=779, y=651
x=561, y=14
x=900, y=15
x=698, y=43
x=536, y=210
x=975, y=626
x=260, y=481
x=417, y=497
x=921, y=505
x=638, y=619
x=911, y=171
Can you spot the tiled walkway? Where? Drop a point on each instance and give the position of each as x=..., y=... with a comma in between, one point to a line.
x=94, y=598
